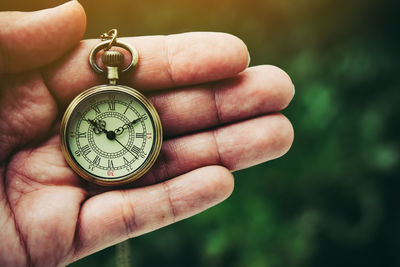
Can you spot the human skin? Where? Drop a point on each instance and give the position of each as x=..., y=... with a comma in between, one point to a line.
x=218, y=116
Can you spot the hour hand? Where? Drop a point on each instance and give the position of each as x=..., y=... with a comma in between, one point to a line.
x=99, y=126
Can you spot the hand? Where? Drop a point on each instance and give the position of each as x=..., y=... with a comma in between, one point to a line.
x=222, y=117
x=121, y=129
x=98, y=126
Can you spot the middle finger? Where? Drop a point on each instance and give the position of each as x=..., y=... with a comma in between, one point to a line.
x=254, y=92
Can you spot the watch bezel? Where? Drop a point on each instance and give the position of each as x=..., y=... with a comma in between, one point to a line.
x=136, y=174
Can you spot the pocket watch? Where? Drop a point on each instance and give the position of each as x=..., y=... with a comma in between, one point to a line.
x=111, y=134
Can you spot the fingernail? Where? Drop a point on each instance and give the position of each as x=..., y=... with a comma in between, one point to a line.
x=249, y=59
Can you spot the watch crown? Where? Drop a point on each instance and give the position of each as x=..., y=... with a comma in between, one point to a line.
x=112, y=58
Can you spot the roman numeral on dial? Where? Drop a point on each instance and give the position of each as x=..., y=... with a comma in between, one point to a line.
x=111, y=164
x=127, y=107
x=96, y=160
x=127, y=165
x=126, y=161
x=136, y=150
x=81, y=135
x=139, y=135
x=97, y=110
x=86, y=150
x=111, y=105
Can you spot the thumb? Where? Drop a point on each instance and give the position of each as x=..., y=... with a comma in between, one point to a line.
x=32, y=39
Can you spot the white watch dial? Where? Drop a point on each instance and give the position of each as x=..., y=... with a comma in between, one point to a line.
x=110, y=134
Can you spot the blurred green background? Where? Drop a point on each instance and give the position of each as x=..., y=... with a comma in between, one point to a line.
x=333, y=199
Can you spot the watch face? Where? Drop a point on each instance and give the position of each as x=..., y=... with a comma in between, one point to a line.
x=112, y=135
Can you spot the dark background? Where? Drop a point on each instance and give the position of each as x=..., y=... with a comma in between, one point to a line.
x=333, y=199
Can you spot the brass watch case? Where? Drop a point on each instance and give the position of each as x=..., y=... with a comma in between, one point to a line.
x=157, y=138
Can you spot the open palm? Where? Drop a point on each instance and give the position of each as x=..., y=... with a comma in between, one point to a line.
x=219, y=117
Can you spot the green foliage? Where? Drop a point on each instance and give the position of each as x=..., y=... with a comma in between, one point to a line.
x=332, y=200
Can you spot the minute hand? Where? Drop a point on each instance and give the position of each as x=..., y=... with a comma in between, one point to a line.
x=121, y=129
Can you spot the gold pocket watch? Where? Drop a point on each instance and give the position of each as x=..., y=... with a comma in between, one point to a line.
x=111, y=134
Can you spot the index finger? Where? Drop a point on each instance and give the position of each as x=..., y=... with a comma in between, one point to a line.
x=164, y=62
